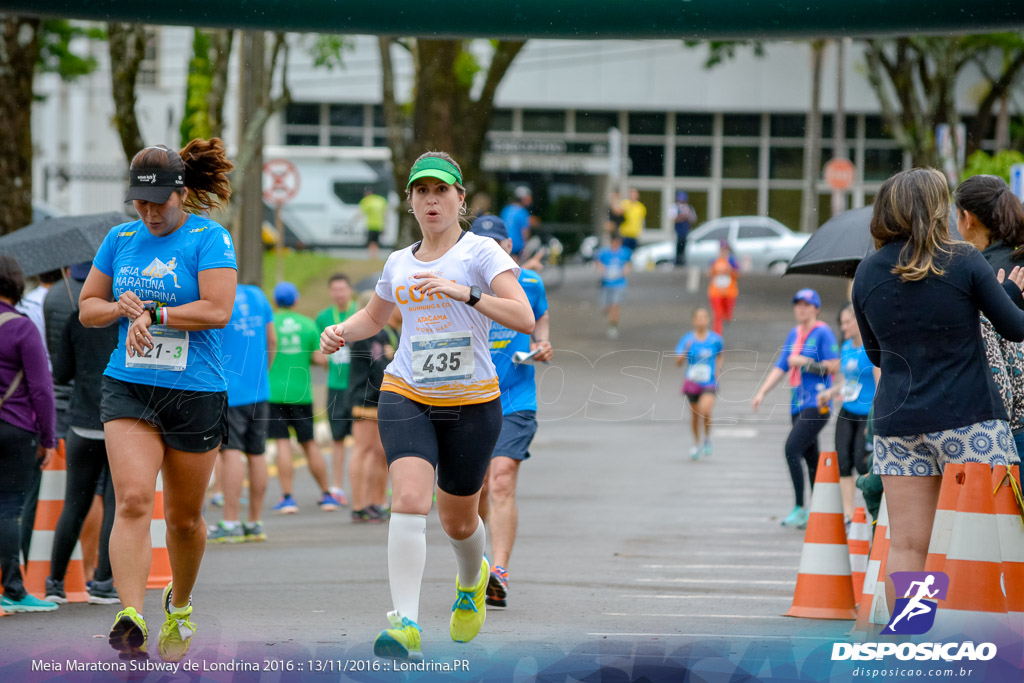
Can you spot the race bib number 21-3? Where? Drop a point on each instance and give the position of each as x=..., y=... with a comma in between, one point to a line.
x=169, y=352
x=442, y=357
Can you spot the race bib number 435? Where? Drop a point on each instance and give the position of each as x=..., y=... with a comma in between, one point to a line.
x=442, y=357
x=169, y=352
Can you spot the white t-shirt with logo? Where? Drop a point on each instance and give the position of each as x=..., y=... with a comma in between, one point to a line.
x=444, y=357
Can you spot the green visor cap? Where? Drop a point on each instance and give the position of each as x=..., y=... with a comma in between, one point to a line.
x=434, y=167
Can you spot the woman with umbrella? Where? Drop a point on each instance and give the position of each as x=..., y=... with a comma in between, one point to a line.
x=917, y=300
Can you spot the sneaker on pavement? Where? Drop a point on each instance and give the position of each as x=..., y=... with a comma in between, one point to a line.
x=222, y=533
x=497, y=587
x=177, y=632
x=286, y=506
x=217, y=500
x=339, y=494
x=795, y=518
x=103, y=593
x=328, y=503
x=805, y=514
x=708, y=450
x=469, y=611
x=254, y=532
x=613, y=333
x=401, y=641
x=378, y=514
x=361, y=516
x=694, y=452
x=129, y=635
x=29, y=603
x=55, y=591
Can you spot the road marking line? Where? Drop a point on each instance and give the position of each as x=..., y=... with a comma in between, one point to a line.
x=692, y=616
x=788, y=567
x=712, y=635
x=742, y=582
x=663, y=596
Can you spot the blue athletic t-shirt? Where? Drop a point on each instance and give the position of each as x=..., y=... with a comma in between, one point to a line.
x=518, y=391
x=614, y=262
x=821, y=345
x=166, y=269
x=244, y=348
x=517, y=219
x=701, y=356
x=858, y=375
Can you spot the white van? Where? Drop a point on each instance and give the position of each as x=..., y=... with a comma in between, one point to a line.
x=325, y=211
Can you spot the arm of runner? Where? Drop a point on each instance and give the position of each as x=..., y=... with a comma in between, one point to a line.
x=360, y=325
x=510, y=307
x=271, y=344
x=212, y=311
x=95, y=306
x=541, y=339
x=774, y=375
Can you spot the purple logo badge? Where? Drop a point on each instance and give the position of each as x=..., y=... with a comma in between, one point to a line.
x=914, y=613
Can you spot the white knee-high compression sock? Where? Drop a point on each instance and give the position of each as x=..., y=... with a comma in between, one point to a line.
x=468, y=554
x=407, y=556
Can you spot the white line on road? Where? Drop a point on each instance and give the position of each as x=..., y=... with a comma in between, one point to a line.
x=742, y=582
x=729, y=636
x=692, y=616
x=669, y=596
x=720, y=566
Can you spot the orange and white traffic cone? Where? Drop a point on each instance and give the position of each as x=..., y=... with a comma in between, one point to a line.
x=1009, y=504
x=160, y=569
x=874, y=577
x=824, y=587
x=975, y=602
x=48, y=510
x=859, y=543
x=945, y=511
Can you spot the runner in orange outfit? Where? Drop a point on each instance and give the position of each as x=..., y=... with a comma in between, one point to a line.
x=723, y=290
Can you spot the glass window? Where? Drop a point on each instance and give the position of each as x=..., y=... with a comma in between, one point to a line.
x=380, y=142
x=646, y=123
x=879, y=164
x=786, y=163
x=694, y=124
x=693, y=162
x=346, y=115
x=742, y=124
x=699, y=201
x=378, y=117
x=755, y=232
x=349, y=192
x=851, y=126
x=648, y=160
x=784, y=206
x=740, y=162
x=346, y=141
x=736, y=202
x=501, y=119
x=544, y=121
x=719, y=234
x=875, y=128
x=596, y=121
x=310, y=139
x=303, y=114
x=788, y=125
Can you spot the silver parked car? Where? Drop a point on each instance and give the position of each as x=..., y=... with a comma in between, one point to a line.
x=759, y=243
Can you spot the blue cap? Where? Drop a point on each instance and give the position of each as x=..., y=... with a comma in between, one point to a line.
x=285, y=294
x=490, y=226
x=808, y=296
x=80, y=271
x=681, y=196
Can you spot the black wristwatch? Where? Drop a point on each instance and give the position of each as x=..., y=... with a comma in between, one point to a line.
x=152, y=307
x=474, y=295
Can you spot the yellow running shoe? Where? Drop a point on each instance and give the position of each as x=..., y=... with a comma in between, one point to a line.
x=469, y=611
x=177, y=632
x=129, y=634
x=401, y=641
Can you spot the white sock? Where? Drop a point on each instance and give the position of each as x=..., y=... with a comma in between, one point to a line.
x=468, y=555
x=407, y=556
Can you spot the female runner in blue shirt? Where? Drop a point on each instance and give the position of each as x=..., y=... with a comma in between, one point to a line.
x=168, y=281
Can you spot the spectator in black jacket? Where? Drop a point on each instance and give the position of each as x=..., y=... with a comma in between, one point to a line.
x=917, y=301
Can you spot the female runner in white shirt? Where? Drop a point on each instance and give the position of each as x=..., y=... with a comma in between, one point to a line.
x=439, y=407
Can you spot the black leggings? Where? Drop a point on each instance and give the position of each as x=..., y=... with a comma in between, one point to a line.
x=851, y=433
x=456, y=440
x=802, y=444
x=18, y=458
x=87, y=464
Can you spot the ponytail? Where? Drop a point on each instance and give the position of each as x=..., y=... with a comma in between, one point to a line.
x=206, y=174
x=989, y=199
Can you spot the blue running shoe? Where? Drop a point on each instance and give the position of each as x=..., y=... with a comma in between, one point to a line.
x=29, y=603
x=286, y=506
x=328, y=503
x=797, y=518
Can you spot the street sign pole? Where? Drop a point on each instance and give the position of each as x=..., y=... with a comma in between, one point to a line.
x=280, y=185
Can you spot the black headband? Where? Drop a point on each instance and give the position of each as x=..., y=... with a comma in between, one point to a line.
x=155, y=178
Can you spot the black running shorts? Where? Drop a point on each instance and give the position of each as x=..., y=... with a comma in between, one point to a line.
x=190, y=421
x=247, y=428
x=298, y=416
x=456, y=440
x=339, y=413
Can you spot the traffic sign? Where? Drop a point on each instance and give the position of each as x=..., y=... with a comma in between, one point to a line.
x=280, y=181
x=840, y=173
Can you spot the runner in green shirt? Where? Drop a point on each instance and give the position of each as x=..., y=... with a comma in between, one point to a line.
x=374, y=208
x=291, y=397
x=339, y=407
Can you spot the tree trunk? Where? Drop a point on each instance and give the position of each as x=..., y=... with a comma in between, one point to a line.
x=127, y=48
x=839, y=123
x=20, y=52
x=812, y=144
x=222, y=42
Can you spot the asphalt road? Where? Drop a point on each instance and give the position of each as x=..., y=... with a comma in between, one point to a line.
x=628, y=552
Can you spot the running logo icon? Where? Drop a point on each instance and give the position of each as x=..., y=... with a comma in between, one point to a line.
x=914, y=613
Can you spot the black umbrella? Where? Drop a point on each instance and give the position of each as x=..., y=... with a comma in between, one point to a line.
x=841, y=243
x=53, y=243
